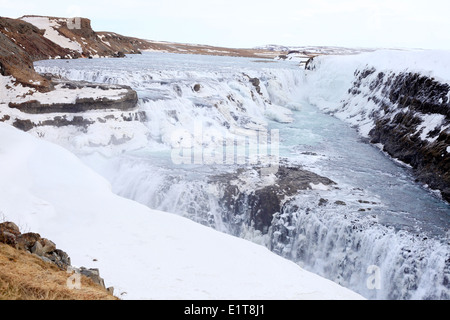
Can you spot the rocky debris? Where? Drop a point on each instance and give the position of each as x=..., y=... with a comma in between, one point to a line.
x=46, y=250
x=256, y=204
x=197, y=87
x=256, y=83
x=24, y=125
x=94, y=274
x=119, y=54
x=33, y=243
x=9, y=233
x=405, y=99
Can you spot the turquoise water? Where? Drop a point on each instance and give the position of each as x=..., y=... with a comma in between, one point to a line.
x=341, y=155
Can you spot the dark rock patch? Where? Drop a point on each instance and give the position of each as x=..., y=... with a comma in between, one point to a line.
x=404, y=98
x=257, y=207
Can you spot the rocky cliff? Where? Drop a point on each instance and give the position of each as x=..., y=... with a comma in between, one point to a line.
x=412, y=121
x=33, y=38
x=398, y=100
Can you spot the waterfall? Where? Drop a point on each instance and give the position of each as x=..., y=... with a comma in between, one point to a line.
x=340, y=242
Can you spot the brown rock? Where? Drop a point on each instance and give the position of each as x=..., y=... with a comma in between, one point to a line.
x=10, y=227
x=27, y=240
x=94, y=275
x=8, y=238
x=47, y=245
x=37, y=249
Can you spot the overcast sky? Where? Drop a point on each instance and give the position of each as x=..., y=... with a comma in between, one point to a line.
x=249, y=23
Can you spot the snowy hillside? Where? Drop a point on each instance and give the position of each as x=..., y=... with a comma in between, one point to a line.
x=144, y=254
x=51, y=27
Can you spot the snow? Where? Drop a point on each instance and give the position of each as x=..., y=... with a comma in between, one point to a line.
x=144, y=254
x=431, y=122
x=10, y=91
x=319, y=186
x=104, y=41
x=51, y=27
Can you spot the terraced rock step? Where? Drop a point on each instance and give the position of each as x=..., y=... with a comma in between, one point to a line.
x=75, y=97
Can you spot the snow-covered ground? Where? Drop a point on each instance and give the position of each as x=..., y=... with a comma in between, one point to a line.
x=144, y=254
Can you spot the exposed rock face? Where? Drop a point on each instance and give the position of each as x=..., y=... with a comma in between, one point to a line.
x=407, y=101
x=255, y=203
x=92, y=43
x=22, y=43
x=14, y=61
x=123, y=101
x=256, y=83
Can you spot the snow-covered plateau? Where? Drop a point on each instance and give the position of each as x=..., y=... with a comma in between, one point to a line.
x=333, y=204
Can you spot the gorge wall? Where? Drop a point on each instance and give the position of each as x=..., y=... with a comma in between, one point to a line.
x=405, y=110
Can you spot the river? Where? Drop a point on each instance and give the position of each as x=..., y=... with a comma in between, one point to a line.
x=377, y=224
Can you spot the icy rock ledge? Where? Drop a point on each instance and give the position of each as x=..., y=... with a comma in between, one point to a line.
x=76, y=97
x=253, y=197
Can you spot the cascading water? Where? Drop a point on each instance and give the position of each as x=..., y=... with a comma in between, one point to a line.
x=376, y=222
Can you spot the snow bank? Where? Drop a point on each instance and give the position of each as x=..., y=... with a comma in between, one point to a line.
x=144, y=254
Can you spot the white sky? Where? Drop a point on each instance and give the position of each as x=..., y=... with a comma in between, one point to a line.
x=249, y=23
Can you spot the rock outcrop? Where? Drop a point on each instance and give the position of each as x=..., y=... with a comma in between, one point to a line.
x=46, y=250
x=252, y=199
x=124, y=98
x=412, y=121
x=15, y=35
